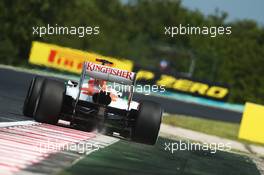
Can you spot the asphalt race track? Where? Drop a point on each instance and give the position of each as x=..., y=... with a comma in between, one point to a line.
x=14, y=85
x=12, y=93
x=18, y=143
x=191, y=109
x=24, y=142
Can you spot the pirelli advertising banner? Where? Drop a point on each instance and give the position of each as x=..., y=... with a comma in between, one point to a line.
x=182, y=84
x=68, y=59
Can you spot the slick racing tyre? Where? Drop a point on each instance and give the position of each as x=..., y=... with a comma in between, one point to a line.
x=32, y=95
x=50, y=102
x=147, y=123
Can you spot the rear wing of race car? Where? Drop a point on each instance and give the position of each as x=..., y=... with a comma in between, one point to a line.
x=107, y=73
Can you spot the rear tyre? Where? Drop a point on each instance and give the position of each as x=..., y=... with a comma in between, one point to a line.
x=50, y=102
x=32, y=95
x=147, y=123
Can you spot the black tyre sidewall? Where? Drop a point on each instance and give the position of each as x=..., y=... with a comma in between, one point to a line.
x=50, y=101
x=32, y=95
x=147, y=123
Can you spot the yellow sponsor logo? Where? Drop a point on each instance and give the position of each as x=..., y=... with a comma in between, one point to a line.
x=68, y=59
x=147, y=75
x=185, y=85
x=252, y=124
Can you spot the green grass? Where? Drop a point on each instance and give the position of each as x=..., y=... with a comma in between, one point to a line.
x=212, y=127
x=131, y=158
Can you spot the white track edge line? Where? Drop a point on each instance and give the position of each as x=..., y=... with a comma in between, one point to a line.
x=18, y=123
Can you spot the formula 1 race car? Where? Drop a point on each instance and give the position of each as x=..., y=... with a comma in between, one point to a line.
x=94, y=103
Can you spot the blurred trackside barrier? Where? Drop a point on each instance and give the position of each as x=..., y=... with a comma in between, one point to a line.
x=185, y=85
x=252, y=124
x=68, y=59
x=187, y=102
x=71, y=60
